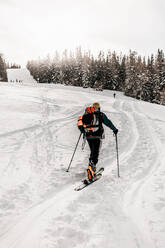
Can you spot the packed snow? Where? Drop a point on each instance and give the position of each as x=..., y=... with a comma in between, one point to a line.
x=39, y=207
x=21, y=75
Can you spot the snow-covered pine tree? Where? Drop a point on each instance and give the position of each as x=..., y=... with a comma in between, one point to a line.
x=159, y=77
x=85, y=70
x=161, y=74
x=122, y=73
x=108, y=83
x=115, y=69
x=131, y=75
x=99, y=71
x=148, y=81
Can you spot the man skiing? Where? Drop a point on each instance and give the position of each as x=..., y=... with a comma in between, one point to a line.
x=90, y=124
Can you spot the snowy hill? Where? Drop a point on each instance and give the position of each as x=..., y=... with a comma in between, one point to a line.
x=38, y=204
x=20, y=76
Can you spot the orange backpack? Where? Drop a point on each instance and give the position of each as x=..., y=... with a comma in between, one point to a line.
x=89, y=122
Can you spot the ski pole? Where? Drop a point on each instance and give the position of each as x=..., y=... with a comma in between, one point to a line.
x=118, y=172
x=74, y=153
x=84, y=141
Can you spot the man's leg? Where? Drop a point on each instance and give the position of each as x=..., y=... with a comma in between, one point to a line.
x=91, y=146
x=96, y=148
x=94, y=145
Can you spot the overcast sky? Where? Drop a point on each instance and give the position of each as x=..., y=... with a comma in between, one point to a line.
x=33, y=28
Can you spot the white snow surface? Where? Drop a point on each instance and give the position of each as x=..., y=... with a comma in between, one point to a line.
x=39, y=207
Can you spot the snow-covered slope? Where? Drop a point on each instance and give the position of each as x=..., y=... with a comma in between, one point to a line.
x=20, y=76
x=38, y=204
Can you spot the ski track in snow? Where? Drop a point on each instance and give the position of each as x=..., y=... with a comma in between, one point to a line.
x=39, y=207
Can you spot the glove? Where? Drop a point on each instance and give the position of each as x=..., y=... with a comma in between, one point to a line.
x=81, y=128
x=115, y=131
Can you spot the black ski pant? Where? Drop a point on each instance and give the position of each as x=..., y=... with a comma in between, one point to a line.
x=94, y=145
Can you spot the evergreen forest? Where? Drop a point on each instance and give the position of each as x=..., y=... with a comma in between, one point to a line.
x=136, y=76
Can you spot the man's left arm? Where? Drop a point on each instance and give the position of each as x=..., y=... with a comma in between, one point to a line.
x=109, y=124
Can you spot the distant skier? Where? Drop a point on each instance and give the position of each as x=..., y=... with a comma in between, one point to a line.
x=90, y=124
x=114, y=95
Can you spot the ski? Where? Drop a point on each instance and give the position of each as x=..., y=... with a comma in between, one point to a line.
x=86, y=182
x=97, y=172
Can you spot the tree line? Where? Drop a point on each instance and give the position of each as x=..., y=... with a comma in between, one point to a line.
x=3, y=73
x=133, y=74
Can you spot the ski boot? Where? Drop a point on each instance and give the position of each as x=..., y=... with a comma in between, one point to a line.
x=91, y=171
